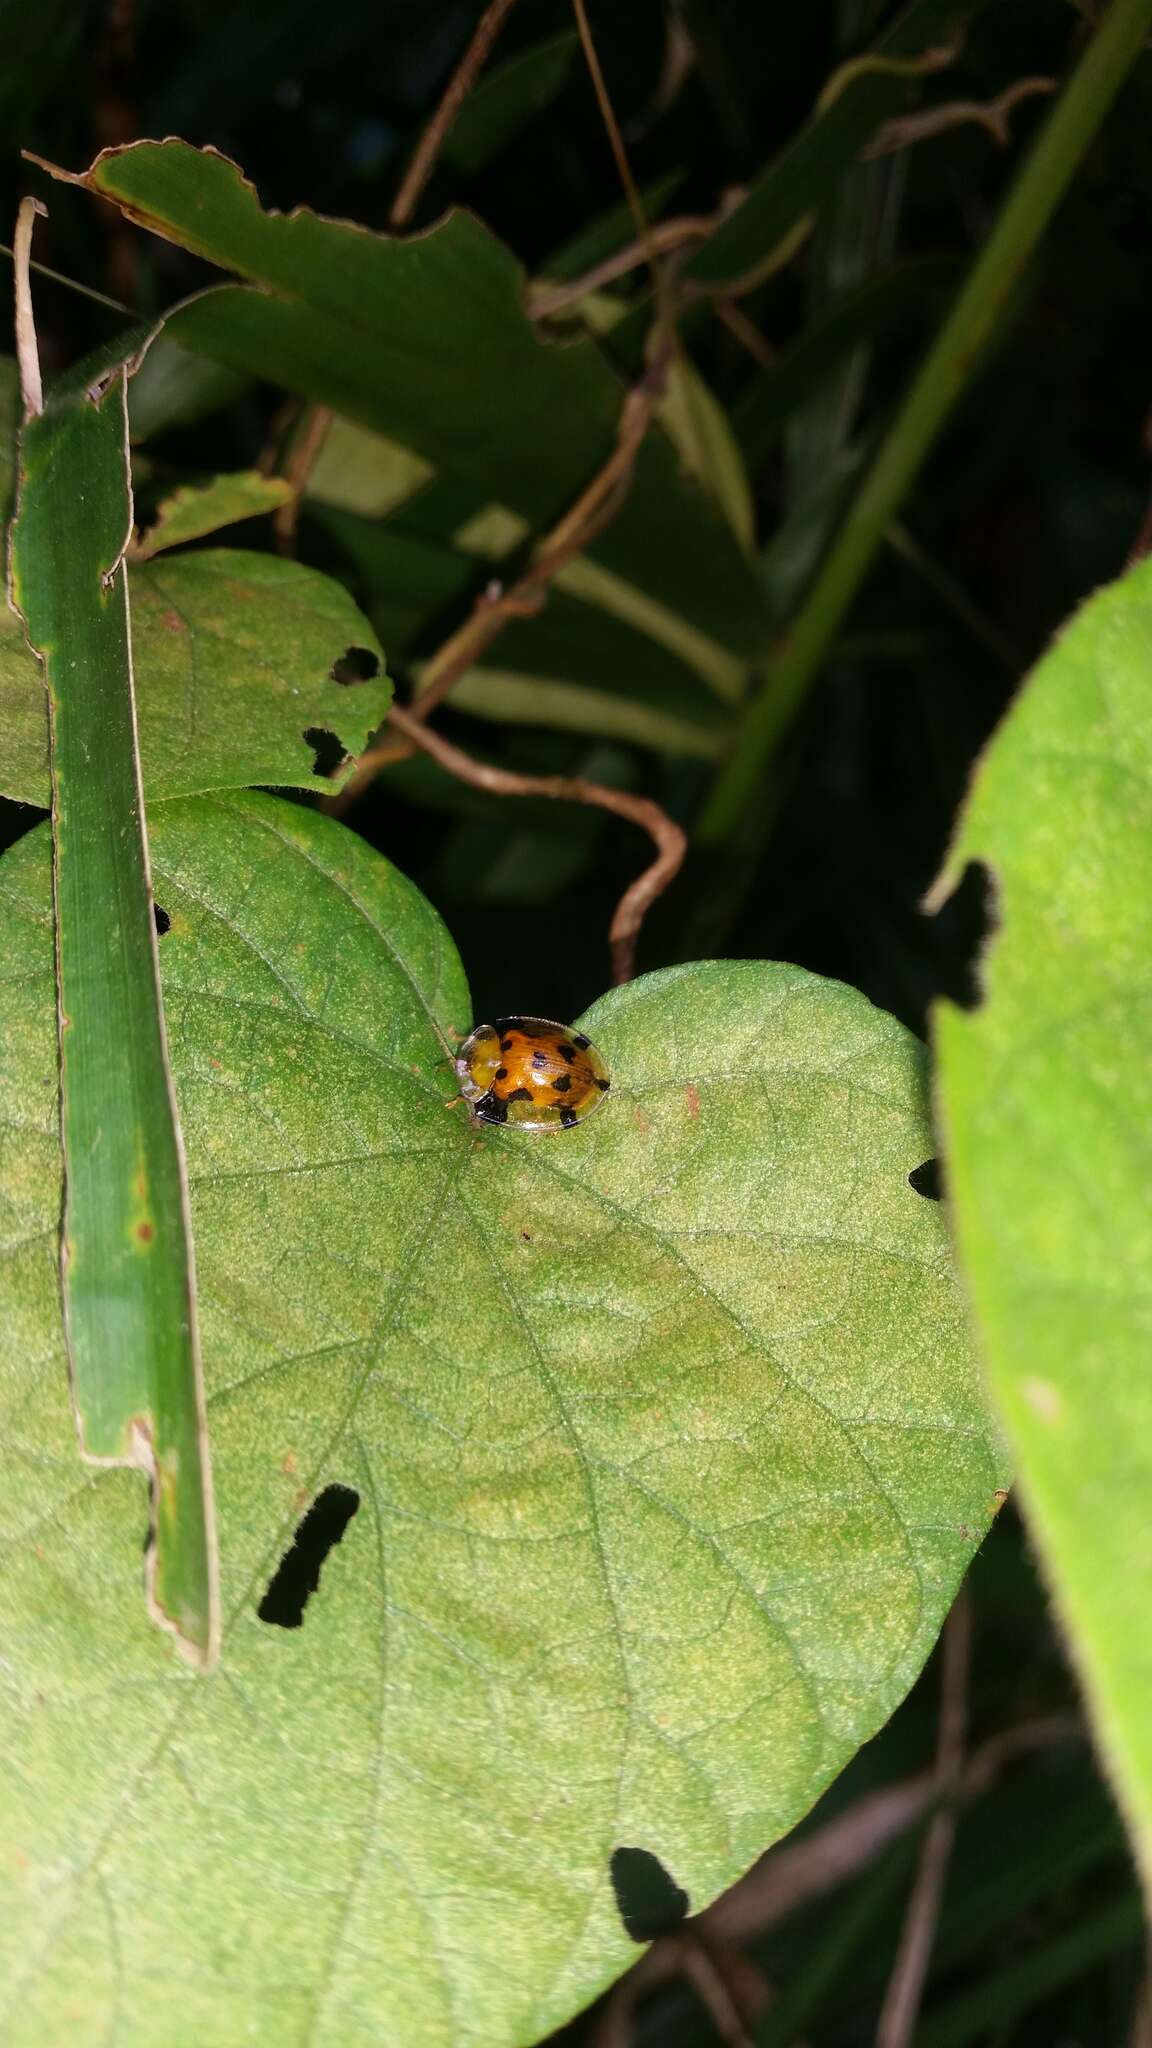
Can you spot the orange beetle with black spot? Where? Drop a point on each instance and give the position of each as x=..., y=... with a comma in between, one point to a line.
x=531, y=1072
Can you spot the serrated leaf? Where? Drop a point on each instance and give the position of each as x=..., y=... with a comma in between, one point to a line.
x=1046, y=1095
x=198, y=509
x=234, y=653
x=426, y=340
x=667, y=1444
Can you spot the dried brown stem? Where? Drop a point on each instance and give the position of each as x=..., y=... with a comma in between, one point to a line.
x=302, y=460
x=803, y=1870
x=666, y=835
x=901, y=2007
x=584, y=519
x=662, y=240
x=989, y=114
x=459, y=86
x=318, y=420
x=27, y=352
x=612, y=126
x=747, y=333
x=115, y=120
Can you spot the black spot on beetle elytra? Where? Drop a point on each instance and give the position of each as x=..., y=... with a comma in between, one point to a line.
x=491, y=1110
x=521, y=1095
x=601, y=1083
x=327, y=749
x=161, y=920
x=568, y=1117
x=562, y=1083
x=649, y=1901
x=579, y=1040
x=297, y=1575
x=926, y=1180
x=567, y=1052
x=960, y=931
x=501, y=1073
x=505, y=1045
x=355, y=665
x=539, y=1059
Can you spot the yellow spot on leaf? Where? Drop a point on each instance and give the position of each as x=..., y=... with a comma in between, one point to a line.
x=1044, y=1399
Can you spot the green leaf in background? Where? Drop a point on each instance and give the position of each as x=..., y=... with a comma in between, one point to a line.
x=598, y=657
x=881, y=302
x=427, y=341
x=170, y=387
x=789, y=190
x=127, y=1270
x=663, y=1437
x=234, y=657
x=197, y=509
x=363, y=472
x=506, y=98
x=1046, y=1096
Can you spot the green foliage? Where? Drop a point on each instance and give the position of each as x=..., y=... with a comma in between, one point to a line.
x=779, y=209
x=505, y=99
x=1044, y=1091
x=127, y=1275
x=652, y=1453
x=197, y=509
x=427, y=341
x=665, y=1432
x=234, y=658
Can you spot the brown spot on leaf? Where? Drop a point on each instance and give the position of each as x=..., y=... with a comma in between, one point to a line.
x=692, y=1101
x=144, y=1231
x=642, y=1120
x=174, y=622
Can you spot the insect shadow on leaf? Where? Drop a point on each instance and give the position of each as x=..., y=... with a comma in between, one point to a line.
x=648, y=1899
x=355, y=665
x=297, y=1576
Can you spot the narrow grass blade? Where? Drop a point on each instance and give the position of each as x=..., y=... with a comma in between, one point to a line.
x=127, y=1269
x=1042, y=182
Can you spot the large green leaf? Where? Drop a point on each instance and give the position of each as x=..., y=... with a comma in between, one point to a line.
x=427, y=340
x=667, y=1443
x=234, y=655
x=1046, y=1092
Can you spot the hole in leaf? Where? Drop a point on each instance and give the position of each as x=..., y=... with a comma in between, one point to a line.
x=961, y=929
x=328, y=750
x=649, y=1901
x=161, y=920
x=926, y=1180
x=297, y=1575
x=355, y=665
